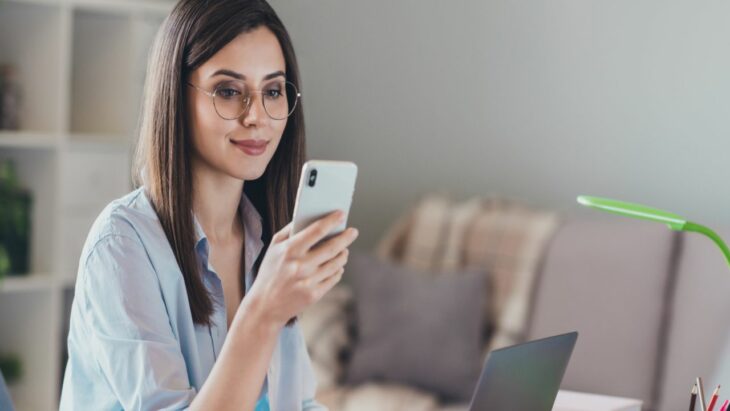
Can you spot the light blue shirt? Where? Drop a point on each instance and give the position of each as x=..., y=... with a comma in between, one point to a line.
x=5, y=403
x=132, y=343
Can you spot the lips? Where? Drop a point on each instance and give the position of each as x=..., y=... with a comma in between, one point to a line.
x=251, y=147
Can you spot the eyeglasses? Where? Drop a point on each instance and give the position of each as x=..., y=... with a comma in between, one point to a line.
x=233, y=98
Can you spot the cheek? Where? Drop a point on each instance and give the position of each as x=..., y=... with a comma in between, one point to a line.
x=207, y=119
x=278, y=130
x=207, y=127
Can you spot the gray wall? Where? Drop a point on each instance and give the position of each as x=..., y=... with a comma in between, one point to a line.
x=539, y=100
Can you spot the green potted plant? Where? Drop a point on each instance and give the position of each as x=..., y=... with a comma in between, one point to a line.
x=4, y=263
x=15, y=222
x=11, y=367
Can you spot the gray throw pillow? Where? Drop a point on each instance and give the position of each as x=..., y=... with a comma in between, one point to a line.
x=416, y=328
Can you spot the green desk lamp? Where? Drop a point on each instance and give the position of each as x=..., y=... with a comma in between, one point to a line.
x=674, y=221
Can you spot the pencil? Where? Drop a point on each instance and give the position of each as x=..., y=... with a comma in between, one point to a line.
x=724, y=406
x=693, y=397
x=701, y=393
x=713, y=399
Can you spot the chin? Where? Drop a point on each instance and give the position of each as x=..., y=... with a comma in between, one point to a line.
x=248, y=169
x=249, y=174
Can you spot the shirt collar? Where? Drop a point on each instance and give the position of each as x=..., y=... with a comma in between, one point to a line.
x=253, y=230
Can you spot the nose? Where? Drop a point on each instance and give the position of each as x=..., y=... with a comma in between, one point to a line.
x=255, y=115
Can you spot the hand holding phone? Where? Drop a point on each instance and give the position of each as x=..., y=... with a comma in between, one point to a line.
x=295, y=273
x=307, y=257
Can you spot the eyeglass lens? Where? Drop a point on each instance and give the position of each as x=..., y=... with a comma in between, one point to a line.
x=232, y=99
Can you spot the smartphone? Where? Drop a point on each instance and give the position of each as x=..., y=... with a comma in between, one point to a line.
x=324, y=187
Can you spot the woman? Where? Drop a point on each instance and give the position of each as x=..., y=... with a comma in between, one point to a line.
x=166, y=313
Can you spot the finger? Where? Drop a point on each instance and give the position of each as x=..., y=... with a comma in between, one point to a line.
x=283, y=234
x=330, y=248
x=330, y=282
x=305, y=239
x=330, y=267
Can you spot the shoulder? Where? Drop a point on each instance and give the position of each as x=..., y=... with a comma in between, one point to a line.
x=121, y=252
x=130, y=219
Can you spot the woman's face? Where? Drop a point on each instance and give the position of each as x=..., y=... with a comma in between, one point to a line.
x=239, y=148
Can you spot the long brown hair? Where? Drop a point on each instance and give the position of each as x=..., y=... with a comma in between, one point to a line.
x=193, y=32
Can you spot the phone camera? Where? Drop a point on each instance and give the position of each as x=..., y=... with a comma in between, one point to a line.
x=312, y=177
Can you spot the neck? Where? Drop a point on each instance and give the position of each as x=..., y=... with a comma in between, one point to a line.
x=216, y=199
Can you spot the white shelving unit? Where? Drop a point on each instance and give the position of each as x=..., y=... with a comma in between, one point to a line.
x=81, y=66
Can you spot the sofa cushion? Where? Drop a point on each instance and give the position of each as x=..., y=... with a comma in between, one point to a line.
x=608, y=280
x=417, y=328
x=325, y=329
x=381, y=397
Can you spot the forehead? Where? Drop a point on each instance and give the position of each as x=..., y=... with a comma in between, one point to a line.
x=254, y=54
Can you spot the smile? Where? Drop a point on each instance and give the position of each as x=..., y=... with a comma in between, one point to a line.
x=251, y=147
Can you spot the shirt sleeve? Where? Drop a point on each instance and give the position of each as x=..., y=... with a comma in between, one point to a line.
x=131, y=338
x=309, y=403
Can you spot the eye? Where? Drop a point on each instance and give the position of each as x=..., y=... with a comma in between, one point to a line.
x=228, y=92
x=273, y=93
x=274, y=90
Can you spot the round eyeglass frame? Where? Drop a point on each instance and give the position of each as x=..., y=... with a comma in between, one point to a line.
x=247, y=105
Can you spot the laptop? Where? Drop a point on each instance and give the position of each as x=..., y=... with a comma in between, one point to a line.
x=524, y=377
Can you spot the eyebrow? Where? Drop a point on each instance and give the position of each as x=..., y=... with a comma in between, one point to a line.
x=231, y=73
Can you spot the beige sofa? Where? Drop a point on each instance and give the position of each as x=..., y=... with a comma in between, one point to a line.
x=650, y=305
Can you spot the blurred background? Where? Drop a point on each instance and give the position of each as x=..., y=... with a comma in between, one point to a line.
x=534, y=99
x=475, y=124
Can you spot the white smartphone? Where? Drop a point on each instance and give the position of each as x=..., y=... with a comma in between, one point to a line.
x=324, y=187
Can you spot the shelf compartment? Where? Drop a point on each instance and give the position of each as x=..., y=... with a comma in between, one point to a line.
x=144, y=29
x=27, y=139
x=92, y=175
x=27, y=283
x=36, y=170
x=21, y=317
x=30, y=40
x=100, y=76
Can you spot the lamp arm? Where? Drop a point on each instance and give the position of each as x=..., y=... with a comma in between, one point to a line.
x=697, y=228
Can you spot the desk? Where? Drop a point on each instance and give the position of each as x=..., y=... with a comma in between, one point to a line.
x=576, y=401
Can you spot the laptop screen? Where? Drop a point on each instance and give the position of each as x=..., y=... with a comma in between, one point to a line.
x=524, y=377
